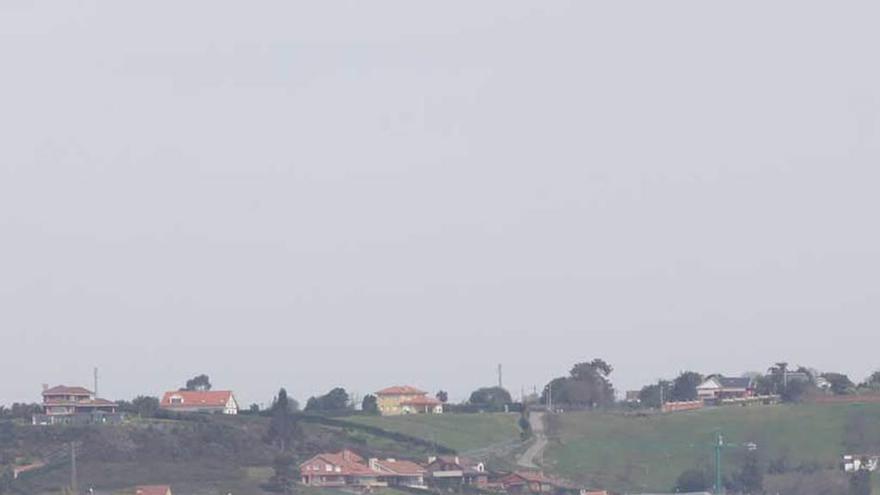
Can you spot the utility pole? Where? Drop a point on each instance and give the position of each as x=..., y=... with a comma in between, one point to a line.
x=74, y=483
x=719, y=444
x=96, y=382
x=500, y=381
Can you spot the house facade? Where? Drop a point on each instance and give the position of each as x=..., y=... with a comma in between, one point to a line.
x=399, y=473
x=69, y=405
x=340, y=469
x=197, y=401
x=454, y=470
x=536, y=483
x=404, y=399
x=717, y=388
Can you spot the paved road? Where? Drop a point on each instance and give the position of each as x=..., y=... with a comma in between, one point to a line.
x=535, y=452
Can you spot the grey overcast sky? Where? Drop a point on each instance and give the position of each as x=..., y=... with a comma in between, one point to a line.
x=314, y=194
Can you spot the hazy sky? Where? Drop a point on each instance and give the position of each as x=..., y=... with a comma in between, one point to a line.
x=313, y=194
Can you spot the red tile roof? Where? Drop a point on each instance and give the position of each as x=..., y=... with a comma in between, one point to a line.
x=402, y=468
x=153, y=490
x=195, y=398
x=64, y=390
x=401, y=390
x=348, y=462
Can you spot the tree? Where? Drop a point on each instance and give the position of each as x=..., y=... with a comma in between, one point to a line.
x=872, y=382
x=334, y=400
x=840, y=383
x=860, y=483
x=684, y=387
x=692, y=480
x=200, y=383
x=650, y=396
x=370, y=404
x=494, y=398
x=794, y=390
x=5, y=480
x=282, y=427
x=145, y=406
x=750, y=479
x=442, y=396
x=553, y=390
x=254, y=408
x=284, y=475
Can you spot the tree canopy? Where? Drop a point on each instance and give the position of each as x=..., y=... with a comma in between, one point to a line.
x=334, y=400
x=494, y=398
x=587, y=385
x=201, y=383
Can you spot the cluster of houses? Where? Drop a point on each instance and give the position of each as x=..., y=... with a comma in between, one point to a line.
x=347, y=469
x=79, y=405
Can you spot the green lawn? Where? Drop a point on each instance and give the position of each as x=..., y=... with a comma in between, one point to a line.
x=648, y=453
x=462, y=432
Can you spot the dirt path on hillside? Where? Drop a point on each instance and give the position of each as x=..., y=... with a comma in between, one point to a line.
x=535, y=452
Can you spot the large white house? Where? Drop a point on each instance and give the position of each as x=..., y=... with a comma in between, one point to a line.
x=209, y=401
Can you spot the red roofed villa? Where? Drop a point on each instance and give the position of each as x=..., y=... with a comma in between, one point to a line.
x=344, y=468
x=196, y=401
x=403, y=399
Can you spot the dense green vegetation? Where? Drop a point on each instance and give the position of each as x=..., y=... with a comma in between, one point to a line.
x=462, y=432
x=639, y=452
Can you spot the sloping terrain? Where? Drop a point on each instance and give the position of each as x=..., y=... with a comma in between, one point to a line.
x=635, y=453
x=461, y=432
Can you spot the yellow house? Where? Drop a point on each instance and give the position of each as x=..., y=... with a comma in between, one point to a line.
x=403, y=399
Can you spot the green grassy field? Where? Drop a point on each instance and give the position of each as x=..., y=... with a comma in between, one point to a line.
x=462, y=432
x=637, y=453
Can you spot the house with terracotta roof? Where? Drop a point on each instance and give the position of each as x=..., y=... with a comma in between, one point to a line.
x=66, y=405
x=153, y=490
x=399, y=473
x=344, y=468
x=536, y=483
x=200, y=401
x=452, y=471
x=404, y=399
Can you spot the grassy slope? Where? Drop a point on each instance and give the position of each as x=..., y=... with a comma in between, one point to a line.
x=462, y=432
x=632, y=453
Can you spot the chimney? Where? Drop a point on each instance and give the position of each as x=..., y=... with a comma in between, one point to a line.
x=431, y=458
x=45, y=387
x=457, y=461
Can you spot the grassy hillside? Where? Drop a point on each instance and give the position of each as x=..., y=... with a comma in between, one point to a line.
x=637, y=453
x=205, y=455
x=462, y=432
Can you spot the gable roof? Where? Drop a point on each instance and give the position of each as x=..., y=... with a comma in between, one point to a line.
x=726, y=382
x=403, y=468
x=348, y=462
x=65, y=390
x=401, y=390
x=197, y=398
x=735, y=382
x=153, y=490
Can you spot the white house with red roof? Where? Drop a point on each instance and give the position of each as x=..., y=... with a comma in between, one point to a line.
x=200, y=401
x=404, y=399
